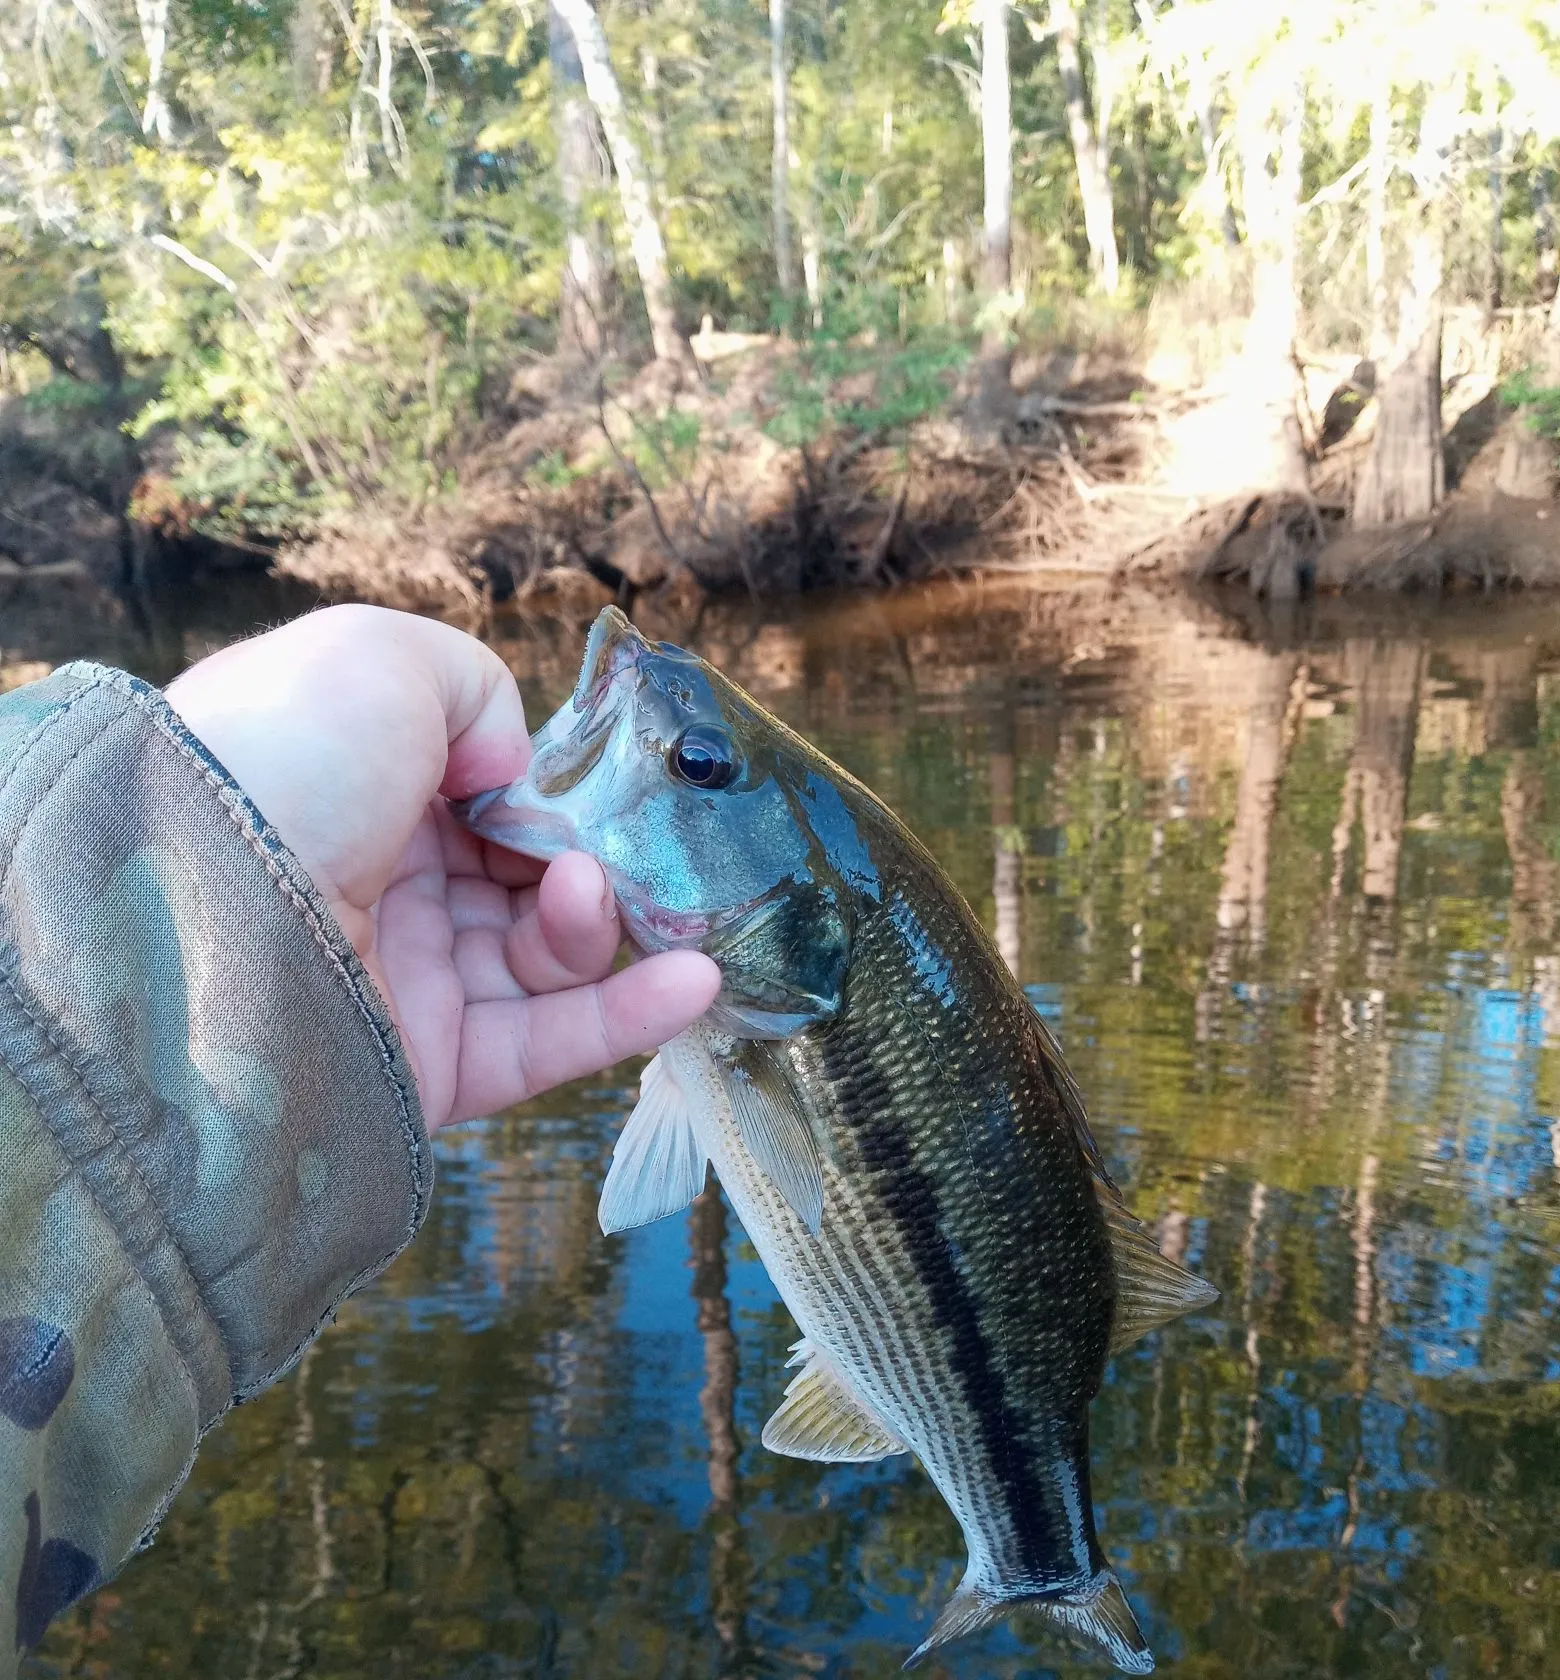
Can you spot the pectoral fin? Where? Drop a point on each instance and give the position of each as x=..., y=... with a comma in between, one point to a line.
x=820, y=1419
x=1150, y=1290
x=774, y=1127
x=658, y=1163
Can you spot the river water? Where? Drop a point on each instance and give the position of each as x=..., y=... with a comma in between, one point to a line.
x=1287, y=892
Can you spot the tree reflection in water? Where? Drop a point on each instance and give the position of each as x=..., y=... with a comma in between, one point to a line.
x=1288, y=895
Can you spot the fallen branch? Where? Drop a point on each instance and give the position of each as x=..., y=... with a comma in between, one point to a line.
x=13, y=571
x=627, y=466
x=872, y=566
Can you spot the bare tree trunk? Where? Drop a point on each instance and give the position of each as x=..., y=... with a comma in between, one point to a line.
x=655, y=124
x=1527, y=458
x=153, y=17
x=309, y=45
x=1548, y=275
x=644, y=231
x=996, y=133
x=1496, y=277
x=1378, y=172
x=1208, y=133
x=582, y=174
x=1404, y=476
x=1099, y=214
x=1270, y=171
x=780, y=156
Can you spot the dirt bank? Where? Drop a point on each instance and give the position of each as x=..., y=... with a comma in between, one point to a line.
x=785, y=469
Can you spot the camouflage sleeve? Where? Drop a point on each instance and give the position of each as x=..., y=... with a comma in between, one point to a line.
x=209, y=1133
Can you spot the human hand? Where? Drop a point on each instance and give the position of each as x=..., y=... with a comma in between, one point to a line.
x=349, y=729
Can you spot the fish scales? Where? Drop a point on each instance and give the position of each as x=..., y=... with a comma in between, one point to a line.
x=955, y=1125
x=890, y=1119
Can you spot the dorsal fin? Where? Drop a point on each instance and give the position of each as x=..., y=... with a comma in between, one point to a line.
x=1070, y=1096
x=820, y=1419
x=1150, y=1290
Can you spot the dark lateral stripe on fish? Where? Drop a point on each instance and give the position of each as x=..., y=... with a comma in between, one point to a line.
x=909, y=1198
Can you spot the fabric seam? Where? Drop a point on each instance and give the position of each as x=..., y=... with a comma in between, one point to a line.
x=256, y=832
x=68, y=1061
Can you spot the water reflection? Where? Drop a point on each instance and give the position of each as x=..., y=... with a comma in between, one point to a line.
x=1288, y=895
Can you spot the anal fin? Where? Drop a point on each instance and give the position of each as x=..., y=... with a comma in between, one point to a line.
x=1150, y=1290
x=1099, y=1617
x=821, y=1419
x=658, y=1163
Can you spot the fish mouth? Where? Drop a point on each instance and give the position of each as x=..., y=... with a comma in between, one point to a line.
x=654, y=928
x=526, y=816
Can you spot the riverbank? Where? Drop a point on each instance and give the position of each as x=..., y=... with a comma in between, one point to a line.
x=781, y=468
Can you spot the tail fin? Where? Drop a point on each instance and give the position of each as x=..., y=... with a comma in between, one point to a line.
x=1099, y=1616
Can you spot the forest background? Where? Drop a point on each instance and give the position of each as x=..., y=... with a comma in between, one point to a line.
x=435, y=300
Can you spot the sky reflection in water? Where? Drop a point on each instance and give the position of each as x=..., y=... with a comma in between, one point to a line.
x=1291, y=906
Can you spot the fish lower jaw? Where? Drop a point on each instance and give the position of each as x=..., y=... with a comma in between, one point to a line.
x=653, y=929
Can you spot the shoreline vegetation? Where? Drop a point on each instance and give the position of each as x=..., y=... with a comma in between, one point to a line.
x=394, y=300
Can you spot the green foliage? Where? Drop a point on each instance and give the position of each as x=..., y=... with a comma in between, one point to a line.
x=862, y=388
x=326, y=264
x=1541, y=402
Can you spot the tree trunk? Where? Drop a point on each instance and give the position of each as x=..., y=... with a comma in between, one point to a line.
x=644, y=231
x=1378, y=172
x=1527, y=458
x=780, y=156
x=153, y=18
x=1495, y=279
x=1404, y=476
x=1270, y=172
x=1099, y=215
x=309, y=47
x=1548, y=258
x=582, y=174
x=996, y=133
x=1213, y=176
x=655, y=125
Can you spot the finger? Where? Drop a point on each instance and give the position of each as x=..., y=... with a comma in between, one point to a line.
x=466, y=855
x=514, y=869
x=483, y=904
x=483, y=966
x=514, y=1050
x=571, y=934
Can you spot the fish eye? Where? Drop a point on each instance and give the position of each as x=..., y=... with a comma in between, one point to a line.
x=704, y=757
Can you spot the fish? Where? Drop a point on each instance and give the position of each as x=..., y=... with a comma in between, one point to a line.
x=889, y=1117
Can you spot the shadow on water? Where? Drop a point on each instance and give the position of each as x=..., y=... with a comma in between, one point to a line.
x=1287, y=891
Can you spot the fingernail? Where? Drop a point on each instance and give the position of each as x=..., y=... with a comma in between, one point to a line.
x=607, y=905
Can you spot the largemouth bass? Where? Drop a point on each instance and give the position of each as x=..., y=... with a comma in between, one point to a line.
x=892, y=1122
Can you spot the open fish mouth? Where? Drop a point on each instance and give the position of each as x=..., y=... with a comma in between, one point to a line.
x=524, y=816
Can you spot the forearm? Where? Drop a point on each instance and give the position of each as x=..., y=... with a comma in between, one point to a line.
x=211, y=1134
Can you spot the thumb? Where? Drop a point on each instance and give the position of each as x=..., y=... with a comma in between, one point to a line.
x=342, y=725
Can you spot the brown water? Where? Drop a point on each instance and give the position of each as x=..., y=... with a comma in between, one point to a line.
x=1288, y=895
